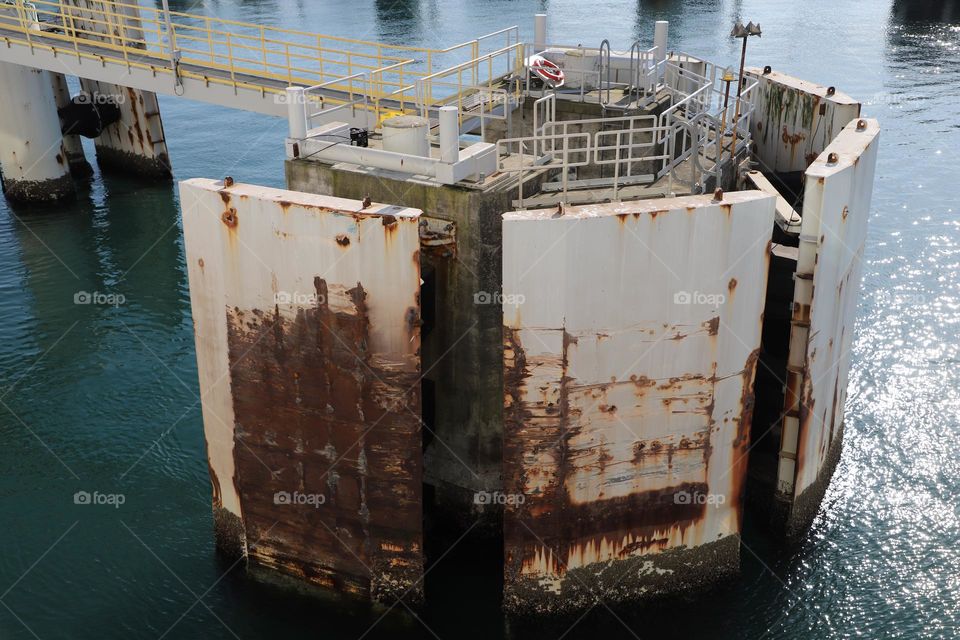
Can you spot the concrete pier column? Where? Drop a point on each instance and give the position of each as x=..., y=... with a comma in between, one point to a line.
x=76, y=159
x=32, y=156
x=135, y=143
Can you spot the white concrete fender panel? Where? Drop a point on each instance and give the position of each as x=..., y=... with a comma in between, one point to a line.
x=136, y=142
x=795, y=120
x=836, y=208
x=631, y=338
x=306, y=316
x=33, y=159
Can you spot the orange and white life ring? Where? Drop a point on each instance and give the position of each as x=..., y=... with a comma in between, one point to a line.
x=546, y=70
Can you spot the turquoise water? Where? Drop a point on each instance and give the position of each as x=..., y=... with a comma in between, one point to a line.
x=102, y=398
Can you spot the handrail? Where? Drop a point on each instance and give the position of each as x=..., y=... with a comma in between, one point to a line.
x=605, y=46
x=479, y=78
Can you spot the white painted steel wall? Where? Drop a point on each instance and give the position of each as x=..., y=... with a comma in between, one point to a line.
x=632, y=332
x=788, y=127
x=280, y=241
x=836, y=209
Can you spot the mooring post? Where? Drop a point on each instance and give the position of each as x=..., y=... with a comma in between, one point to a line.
x=540, y=32
x=449, y=135
x=297, y=112
x=33, y=159
x=660, y=31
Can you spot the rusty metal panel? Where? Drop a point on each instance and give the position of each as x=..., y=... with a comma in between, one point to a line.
x=631, y=338
x=306, y=311
x=795, y=120
x=836, y=208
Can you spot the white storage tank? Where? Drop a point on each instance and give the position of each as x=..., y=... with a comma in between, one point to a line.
x=407, y=134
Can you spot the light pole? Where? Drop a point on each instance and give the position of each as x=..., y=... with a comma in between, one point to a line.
x=744, y=32
x=172, y=43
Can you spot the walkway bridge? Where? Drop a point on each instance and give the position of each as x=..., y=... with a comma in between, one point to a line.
x=250, y=66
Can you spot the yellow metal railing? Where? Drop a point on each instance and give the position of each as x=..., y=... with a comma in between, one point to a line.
x=240, y=54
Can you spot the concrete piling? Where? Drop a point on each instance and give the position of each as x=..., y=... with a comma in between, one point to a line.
x=33, y=159
x=76, y=159
x=135, y=143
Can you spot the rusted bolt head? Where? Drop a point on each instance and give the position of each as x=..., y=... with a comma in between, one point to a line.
x=767, y=69
x=718, y=195
x=228, y=181
x=861, y=125
x=831, y=91
x=343, y=240
x=833, y=158
x=229, y=217
x=367, y=201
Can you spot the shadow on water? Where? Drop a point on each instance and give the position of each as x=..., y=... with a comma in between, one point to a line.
x=119, y=235
x=929, y=11
x=398, y=21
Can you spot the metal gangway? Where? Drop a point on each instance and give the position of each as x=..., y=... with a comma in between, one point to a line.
x=251, y=66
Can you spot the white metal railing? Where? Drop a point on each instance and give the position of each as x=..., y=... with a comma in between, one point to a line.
x=358, y=90
x=566, y=151
x=544, y=115
x=695, y=128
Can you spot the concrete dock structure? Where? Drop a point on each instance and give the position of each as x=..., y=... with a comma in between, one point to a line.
x=653, y=317
x=568, y=296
